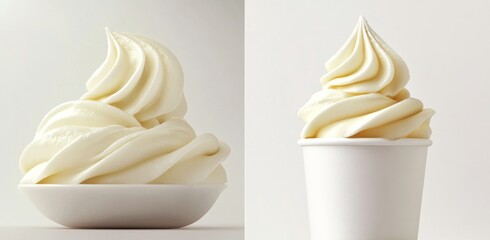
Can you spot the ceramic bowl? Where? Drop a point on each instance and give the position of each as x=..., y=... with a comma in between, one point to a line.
x=122, y=205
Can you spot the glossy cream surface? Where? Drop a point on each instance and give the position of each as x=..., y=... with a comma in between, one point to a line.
x=363, y=94
x=129, y=126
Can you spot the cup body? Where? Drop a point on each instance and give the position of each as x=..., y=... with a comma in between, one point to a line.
x=364, y=189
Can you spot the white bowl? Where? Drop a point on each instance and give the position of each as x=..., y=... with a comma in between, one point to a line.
x=122, y=205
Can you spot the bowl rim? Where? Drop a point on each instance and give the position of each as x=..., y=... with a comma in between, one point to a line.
x=139, y=186
x=364, y=142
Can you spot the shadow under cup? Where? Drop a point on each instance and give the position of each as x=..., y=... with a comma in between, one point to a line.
x=364, y=189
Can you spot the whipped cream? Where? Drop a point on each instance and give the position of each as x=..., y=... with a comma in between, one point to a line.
x=363, y=94
x=128, y=128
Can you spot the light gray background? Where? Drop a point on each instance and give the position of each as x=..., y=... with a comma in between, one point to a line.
x=48, y=49
x=446, y=46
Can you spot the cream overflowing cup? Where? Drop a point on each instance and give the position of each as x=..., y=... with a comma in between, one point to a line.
x=365, y=145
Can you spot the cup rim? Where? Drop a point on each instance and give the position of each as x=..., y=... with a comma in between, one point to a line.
x=364, y=142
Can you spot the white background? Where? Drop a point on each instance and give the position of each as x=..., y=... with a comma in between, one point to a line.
x=48, y=49
x=446, y=46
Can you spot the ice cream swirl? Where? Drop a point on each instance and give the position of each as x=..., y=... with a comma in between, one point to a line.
x=140, y=77
x=363, y=94
x=128, y=128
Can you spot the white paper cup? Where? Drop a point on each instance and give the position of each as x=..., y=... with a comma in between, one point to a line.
x=364, y=189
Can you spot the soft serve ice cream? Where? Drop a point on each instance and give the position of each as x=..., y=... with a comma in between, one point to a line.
x=128, y=127
x=363, y=94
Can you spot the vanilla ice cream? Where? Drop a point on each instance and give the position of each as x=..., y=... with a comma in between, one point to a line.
x=127, y=128
x=363, y=94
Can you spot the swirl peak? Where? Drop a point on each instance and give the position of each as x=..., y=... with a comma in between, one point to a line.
x=366, y=64
x=140, y=77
